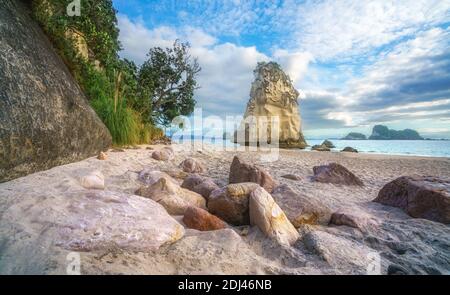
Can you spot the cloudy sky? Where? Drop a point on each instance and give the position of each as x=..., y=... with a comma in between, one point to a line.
x=356, y=63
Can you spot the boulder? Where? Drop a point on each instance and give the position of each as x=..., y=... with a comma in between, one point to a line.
x=292, y=177
x=200, y=184
x=336, y=174
x=270, y=219
x=202, y=220
x=107, y=220
x=150, y=176
x=192, y=165
x=243, y=172
x=353, y=218
x=272, y=95
x=349, y=150
x=94, y=180
x=328, y=144
x=162, y=155
x=45, y=119
x=301, y=209
x=419, y=196
x=320, y=148
x=171, y=196
x=230, y=203
x=344, y=256
x=176, y=173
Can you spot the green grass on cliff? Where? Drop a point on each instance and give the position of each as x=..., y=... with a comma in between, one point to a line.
x=107, y=94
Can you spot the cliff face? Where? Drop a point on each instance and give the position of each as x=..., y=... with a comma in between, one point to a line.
x=273, y=95
x=45, y=119
x=381, y=132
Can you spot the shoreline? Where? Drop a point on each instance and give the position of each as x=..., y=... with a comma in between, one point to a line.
x=41, y=211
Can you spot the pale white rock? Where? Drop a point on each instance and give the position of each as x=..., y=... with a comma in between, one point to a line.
x=345, y=256
x=172, y=197
x=94, y=180
x=150, y=176
x=270, y=219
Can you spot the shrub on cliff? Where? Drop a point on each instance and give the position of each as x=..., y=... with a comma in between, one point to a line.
x=89, y=46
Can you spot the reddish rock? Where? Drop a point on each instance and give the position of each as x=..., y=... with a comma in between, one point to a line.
x=192, y=165
x=202, y=220
x=243, y=172
x=420, y=196
x=335, y=173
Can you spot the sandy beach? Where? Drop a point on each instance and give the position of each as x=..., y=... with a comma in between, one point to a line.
x=34, y=211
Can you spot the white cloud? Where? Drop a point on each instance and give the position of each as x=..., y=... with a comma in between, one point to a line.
x=332, y=29
x=227, y=69
x=295, y=64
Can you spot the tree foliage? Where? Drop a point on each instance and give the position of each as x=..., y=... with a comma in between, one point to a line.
x=130, y=100
x=166, y=83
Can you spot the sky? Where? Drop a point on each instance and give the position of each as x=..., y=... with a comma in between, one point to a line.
x=355, y=63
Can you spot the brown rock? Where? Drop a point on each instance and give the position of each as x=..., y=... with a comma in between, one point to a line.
x=102, y=156
x=243, y=172
x=192, y=165
x=328, y=144
x=162, y=155
x=172, y=197
x=292, y=177
x=176, y=173
x=202, y=220
x=420, y=196
x=200, y=184
x=301, y=209
x=320, y=148
x=335, y=173
x=270, y=219
x=230, y=203
x=349, y=150
x=353, y=218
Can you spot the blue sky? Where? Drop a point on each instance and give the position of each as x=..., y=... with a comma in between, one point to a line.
x=356, y=63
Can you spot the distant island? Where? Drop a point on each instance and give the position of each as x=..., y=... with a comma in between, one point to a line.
x=381, y=132
x=354, y=136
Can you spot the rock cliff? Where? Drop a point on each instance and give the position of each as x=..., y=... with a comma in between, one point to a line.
x=45, y=119
x=272, y=95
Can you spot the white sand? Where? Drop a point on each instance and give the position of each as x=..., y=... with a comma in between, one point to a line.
x=419, y=246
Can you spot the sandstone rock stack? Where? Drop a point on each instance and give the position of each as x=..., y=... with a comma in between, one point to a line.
x=272, y=95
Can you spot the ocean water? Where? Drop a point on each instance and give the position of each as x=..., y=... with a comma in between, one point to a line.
x=428, y=148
